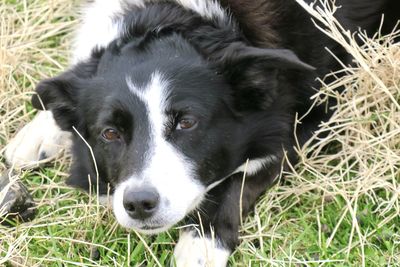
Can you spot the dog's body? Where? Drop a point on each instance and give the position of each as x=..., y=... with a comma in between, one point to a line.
x=173, y=97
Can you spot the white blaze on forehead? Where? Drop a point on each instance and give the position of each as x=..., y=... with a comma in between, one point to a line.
x=154, y=96
x=165, y=168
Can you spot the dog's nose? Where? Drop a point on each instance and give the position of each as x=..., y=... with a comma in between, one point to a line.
x=141, y=203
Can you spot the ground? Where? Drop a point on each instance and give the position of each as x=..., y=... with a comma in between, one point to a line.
x=338, y=207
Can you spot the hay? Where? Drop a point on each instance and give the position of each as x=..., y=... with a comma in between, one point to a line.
x=359, y=154
x=30, y=50
x=364, y=130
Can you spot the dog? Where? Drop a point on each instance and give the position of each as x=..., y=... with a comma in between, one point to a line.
x=167, y=103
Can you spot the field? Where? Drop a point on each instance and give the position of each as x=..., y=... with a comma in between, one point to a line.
x=340, y=206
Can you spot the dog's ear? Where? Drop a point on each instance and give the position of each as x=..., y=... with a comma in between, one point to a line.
x=240, y=53
x=58, y=94
x=253, y=72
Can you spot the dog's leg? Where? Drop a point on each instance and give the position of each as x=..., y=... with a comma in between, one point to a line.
x=195, y=250
x=220, y=220
x=39, y=140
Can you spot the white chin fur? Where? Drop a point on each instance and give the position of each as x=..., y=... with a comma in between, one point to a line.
x=166, y=216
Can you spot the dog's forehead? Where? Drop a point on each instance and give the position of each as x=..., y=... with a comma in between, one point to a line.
x=172, y=56
x=163, y=53
x=171, y=80
x=153, y=93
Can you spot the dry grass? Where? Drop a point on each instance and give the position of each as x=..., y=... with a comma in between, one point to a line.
x=340, y=204
x=30, y=50
x=358, y=159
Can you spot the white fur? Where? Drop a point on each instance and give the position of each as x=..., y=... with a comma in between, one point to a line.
x=250, y=168
x=166, y=169
x=206, y=8
x=194, y=251
x=255, y=165
x=102, y=22
x=41, y=135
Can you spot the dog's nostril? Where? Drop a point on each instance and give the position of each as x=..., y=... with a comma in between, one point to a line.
x=130, y=207
x=148, y=205
x=140, y=203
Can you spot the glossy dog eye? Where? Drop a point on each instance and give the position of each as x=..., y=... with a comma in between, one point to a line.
x=110, y=135
x=186, y=124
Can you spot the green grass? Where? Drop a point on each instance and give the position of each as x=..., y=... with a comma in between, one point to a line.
x=67, y=228
x=300, y=222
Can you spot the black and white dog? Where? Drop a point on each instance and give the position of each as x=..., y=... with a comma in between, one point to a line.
x=173, y=97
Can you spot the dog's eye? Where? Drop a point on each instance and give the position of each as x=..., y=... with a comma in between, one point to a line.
x=111, y=134
x=186, y=124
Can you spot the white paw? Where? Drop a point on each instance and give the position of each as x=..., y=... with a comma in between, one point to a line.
x=39, y=141
x=194, y=251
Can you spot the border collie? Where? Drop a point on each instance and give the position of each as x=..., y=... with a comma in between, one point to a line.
x=167, y=103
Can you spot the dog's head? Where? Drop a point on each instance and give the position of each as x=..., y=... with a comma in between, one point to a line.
x=163, y=122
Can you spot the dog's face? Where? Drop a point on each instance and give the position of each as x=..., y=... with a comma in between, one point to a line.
x=162, y=122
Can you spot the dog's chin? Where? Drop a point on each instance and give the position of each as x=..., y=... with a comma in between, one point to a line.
x=150, y=226
x=152, y=230
x=144, y=228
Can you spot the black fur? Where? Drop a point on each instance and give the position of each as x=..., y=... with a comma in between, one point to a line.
x=246, y=77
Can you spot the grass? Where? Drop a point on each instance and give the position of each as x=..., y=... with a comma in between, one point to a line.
x=338, y=207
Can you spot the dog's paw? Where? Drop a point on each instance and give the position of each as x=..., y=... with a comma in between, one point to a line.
x=194, y=251
x=38, y=141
